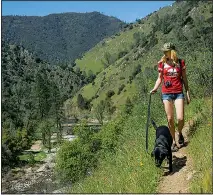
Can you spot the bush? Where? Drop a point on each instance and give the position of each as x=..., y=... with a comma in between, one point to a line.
x=73, y=161
x=127, y=59
x=109, y=108
x=82, y=102
x=130, y=79
x=136, y=70
x=128, y=106
x=131, y=26
x=122, y=53
x=110, y=93
x=120, y=88
x=109, y=135
x=122, y=78
x=102, y=84
x=99, y=112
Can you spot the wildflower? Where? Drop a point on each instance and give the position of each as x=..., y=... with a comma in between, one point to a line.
x=141, y=164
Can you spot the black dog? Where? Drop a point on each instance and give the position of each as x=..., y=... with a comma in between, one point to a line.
x=163, y=143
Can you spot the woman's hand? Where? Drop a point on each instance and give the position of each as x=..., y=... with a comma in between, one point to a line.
x=188, y=100
x=153, y=91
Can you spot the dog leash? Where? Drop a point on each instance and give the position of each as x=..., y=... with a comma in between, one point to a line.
x=147, y=122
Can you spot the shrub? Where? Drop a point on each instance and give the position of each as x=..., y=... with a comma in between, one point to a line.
x=82, y=102
x=109, y=135
x=109, y=108
x=120, y=88
x=122, y=53
x=136, y=70
x=128, y=106
x=99, y=111
x=110, y=93
x=130, y=79
x=73, y=161
x=102, y=84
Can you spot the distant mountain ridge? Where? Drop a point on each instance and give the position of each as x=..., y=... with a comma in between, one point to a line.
x=59, y=38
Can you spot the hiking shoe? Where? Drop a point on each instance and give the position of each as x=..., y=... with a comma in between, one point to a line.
x=174, y=148
x=181, y=139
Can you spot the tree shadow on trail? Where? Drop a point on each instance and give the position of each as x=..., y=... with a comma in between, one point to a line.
x=177, y=164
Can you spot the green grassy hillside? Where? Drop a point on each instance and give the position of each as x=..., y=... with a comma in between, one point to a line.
x=130, y=58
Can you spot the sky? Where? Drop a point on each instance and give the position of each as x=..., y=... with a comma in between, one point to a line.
x=127, y=11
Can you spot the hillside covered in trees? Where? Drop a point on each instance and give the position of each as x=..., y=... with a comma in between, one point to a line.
x=32, y=92
x=59, y=38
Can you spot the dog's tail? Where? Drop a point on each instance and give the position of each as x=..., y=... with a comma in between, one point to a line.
x=154, y=124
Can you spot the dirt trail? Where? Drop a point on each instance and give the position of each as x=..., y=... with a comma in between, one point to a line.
x=178, y=181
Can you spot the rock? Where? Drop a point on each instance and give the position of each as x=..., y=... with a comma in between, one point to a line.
x=16, y=170
x=54, y=150
x=42, y=168
x=190, y=175
x=28, y=170
x=51, y=165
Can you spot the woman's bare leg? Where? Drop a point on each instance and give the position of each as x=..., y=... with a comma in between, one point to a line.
x=179, y=106
x=169, y=109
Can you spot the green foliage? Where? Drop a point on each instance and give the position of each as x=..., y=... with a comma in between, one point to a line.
x=109, y=108
x=202, y=180
x=82, y=102
x=31, y=157
x=32, y=90
x=91, y=76
x=46, y=128
x=108, y=58
x=110, y=93
x=109, y=136
x=124, y=166
x=120, y=88
x=40, y=156
x=140, y=39
x=13, y=142
x=128, y=106
x=122, y=53
x=136, y=70
x=78, y=158
x=73, y=161
x=99, y=111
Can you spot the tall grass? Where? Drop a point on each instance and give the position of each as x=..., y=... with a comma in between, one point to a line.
x=130, y=169
x=200, y=149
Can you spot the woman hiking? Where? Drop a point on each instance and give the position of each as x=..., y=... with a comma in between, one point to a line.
x=172, y=72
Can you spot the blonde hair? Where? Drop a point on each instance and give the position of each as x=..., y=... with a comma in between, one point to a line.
x=173, y=57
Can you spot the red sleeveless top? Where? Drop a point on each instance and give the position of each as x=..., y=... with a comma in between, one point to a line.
x=173, y=75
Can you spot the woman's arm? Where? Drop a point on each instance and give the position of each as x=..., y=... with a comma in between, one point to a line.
x=185, y=82
x=158, y=82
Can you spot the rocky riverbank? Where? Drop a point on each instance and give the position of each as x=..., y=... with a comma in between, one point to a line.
x=37, y=178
